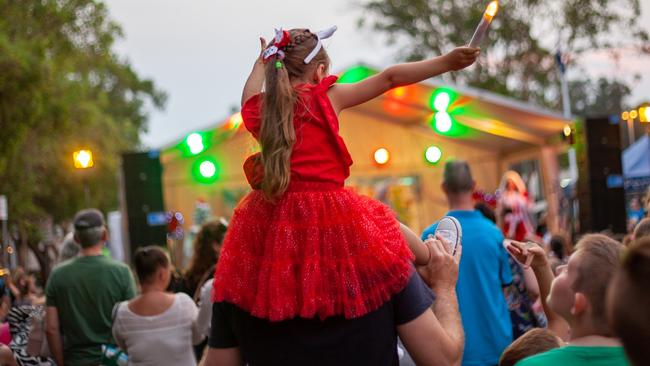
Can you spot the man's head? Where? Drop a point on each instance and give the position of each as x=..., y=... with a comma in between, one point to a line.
x=457, y=179
x=642, y=229
x=578, y=292
x=628, y=301
x=89, y=228
x=533, y=342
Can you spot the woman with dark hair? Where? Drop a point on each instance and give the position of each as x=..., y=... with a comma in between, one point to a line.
x=156, y=327
x=207, y=247
x=197, y=281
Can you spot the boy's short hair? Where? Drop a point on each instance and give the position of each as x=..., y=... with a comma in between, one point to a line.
x=533, y=342
x=642, y=229
x=629, y=301
x=600, y=257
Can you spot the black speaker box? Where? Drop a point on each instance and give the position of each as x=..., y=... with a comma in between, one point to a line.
x=600, y=185
x=143, y=200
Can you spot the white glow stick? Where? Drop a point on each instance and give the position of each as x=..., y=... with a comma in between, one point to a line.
x=483, y=26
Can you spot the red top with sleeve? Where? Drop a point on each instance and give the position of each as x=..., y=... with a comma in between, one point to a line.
x=319, y=154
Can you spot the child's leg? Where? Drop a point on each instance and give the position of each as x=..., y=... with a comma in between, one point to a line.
x=416, y=245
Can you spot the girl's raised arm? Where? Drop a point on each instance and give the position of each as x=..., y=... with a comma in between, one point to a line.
x=345, y=96
x=255, y=80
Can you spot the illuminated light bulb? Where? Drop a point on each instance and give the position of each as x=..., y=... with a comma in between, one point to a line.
x=235, y=121
x=443, y=122
x=382, y=156
x=195, y=142
x=625, y=116
x=633, y=114
x=441, y=102
x=207, y=169
x=567, y=130
x=83, y=159
x=433, y=154
x=644, y=114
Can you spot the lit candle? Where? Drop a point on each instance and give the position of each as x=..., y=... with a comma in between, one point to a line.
x=483, y=26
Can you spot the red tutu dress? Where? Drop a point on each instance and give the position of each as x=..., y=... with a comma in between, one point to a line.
x=320, y=250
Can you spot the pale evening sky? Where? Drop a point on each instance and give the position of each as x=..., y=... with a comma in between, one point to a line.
x=200, y=51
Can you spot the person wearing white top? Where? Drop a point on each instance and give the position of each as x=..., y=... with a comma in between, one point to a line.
x=204, y=319
x=156, y=328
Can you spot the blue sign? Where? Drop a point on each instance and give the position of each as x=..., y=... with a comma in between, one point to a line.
x=614, y=181
x=156, y=218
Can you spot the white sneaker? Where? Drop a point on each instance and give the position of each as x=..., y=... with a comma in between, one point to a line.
x=450, y=229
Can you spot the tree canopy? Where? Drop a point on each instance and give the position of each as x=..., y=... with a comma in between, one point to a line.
x=62, y=88
x=519, y=54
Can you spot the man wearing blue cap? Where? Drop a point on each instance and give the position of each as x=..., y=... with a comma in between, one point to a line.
x=81, y=293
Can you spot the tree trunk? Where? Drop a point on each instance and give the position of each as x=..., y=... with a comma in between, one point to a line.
x=43, y=258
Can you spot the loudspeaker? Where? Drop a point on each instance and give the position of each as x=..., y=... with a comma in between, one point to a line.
x=143, y=206
x=600, y=184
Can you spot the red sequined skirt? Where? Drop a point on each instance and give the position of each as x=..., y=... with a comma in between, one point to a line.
x=319, y=251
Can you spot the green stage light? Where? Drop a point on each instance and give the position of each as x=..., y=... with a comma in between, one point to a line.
x=433, y=154
x=441, y=101
x=194, y=142
x=207, y=169
x=443, y=122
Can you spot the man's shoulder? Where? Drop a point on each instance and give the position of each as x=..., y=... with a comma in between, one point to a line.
x=63, y=268
x=115, y=266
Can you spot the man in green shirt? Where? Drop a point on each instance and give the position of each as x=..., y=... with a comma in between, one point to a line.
x=577, y=295
x=81, y=293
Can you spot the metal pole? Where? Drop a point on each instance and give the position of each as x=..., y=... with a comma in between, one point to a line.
x=630, y=132
x=566, y=101
x=4, y=216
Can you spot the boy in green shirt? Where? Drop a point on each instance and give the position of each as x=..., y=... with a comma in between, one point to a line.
x=81, y=293
x=576, y=302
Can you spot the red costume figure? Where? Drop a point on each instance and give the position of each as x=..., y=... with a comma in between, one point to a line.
x=513, y=207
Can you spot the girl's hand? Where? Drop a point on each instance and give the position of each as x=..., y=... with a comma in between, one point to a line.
x=461, y=57
x=260, y=59
x=529, y=254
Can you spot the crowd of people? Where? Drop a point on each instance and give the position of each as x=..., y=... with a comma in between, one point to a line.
x=309, y=272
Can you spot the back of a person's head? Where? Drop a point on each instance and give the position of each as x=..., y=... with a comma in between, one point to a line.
x=598, y=261
x=533, y=342
x=89, y=227
x=147, y=261
x=205, y=255
x=457, y=177
x=629, y=302
x=69, y=248
x=642, y=229
x=559, y=246
x=277, y=134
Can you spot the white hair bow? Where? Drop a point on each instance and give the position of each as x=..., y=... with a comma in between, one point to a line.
x=320, y=35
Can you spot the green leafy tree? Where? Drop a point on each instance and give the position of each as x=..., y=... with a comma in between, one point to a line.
x=63, y=87
x=518, y=54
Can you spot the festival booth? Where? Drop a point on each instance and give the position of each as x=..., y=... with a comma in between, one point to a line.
x=399, y=143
